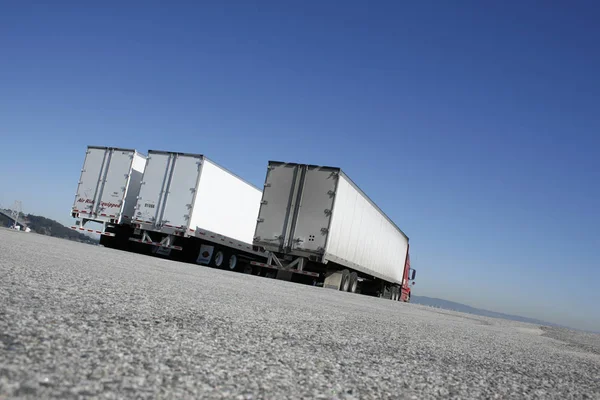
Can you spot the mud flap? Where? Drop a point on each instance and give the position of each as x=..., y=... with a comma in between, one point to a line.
x=333, y=280
x=205, y=254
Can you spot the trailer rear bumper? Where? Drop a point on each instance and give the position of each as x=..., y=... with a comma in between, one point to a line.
x=78, y=228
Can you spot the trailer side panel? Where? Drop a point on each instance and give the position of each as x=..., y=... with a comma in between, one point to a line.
x=361, y=234
x=225, y=204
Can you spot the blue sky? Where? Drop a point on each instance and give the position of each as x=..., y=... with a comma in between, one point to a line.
x=474, y=126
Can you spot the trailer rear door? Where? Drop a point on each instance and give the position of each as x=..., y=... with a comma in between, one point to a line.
x=154, y=183
x=113, y=188
x=311, y=225
x=168, y=188
x=274, y=216
x=182, y=189
x=89, y=183
x=296, y=207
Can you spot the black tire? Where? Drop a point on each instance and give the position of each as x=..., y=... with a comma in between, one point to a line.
x=344, y=282
x=353, y=282
x=233, y=262
x=218, y=259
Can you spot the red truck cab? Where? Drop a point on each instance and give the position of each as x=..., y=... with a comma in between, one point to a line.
x=407, y=279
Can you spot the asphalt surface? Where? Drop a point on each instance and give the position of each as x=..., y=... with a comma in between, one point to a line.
x=83, y=321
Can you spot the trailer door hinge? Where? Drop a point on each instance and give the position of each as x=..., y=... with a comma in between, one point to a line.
x=267, y=185
x=324, y=230
x=327, y=212
x=264, y=202
x=260, y=220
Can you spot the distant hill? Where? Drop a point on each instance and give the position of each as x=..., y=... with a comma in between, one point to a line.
x=453, y=306
x=47, y=226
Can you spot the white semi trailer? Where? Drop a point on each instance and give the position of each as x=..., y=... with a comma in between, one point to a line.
x=107, y=192
x=315, y=219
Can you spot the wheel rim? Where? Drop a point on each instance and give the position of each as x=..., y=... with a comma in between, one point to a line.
x=219, y=259
x=232, y=261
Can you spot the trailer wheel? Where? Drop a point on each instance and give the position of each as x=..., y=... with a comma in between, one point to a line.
x=353, y=278
x=345, y=282
x=218, y=259
x=248, y=269
x=233, y=260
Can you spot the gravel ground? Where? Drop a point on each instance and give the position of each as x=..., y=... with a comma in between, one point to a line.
x=83, y=321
